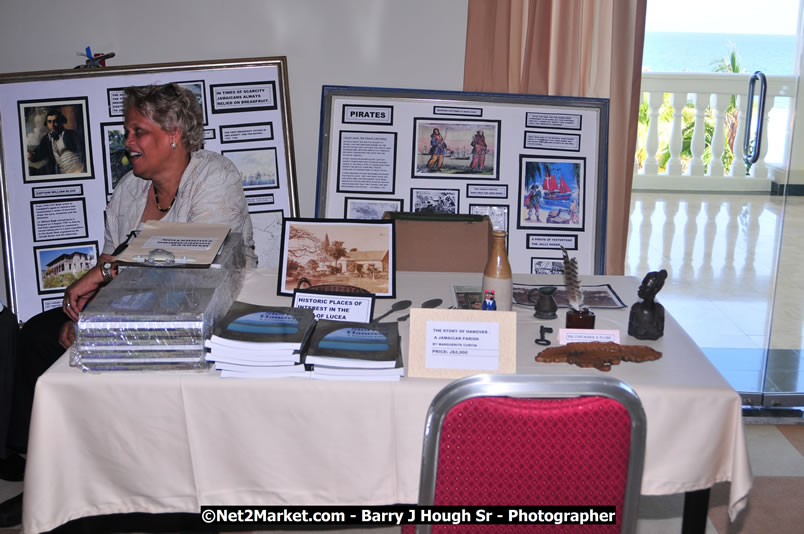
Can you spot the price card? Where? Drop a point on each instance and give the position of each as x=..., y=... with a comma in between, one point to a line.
x=456, y=343
x=586, y=335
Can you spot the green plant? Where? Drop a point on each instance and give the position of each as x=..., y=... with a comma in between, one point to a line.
x=728, y=63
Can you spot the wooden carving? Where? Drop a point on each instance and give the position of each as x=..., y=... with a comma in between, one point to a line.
x=600, y=355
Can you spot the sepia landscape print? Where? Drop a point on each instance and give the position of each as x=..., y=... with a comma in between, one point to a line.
x=319, y=253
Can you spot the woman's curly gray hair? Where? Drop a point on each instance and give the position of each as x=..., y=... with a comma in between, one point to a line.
x=170, y=106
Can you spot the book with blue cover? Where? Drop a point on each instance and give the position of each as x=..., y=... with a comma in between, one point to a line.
x=254, y=326
x=251, y=335
x=354, y=345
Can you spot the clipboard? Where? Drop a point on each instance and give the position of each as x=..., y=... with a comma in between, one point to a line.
x=175, y=244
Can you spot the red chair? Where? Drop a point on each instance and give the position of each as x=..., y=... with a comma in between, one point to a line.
x=520, y=440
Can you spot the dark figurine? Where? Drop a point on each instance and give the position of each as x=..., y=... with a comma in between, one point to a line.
x=647, y=316
x=544, y=303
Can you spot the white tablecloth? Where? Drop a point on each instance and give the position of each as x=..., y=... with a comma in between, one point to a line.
x=123, y=442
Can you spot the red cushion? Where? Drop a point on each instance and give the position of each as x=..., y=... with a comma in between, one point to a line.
x=507, y=451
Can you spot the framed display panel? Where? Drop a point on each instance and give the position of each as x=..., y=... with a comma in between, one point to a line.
x=56, y=202
x=538, y=162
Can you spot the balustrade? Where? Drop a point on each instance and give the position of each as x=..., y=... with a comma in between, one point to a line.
x=701, y=102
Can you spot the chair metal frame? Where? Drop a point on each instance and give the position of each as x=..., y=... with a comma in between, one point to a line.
x=339, y=289
x=534, y=386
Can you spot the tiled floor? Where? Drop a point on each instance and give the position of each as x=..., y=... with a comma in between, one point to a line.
x=733, y=281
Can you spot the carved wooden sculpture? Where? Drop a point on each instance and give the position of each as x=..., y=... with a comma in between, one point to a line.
x=600, y=355
x=646, y=320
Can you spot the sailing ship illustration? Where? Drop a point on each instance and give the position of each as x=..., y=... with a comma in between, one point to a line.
x=461, y=153
x=556, y=193
x=549, y=197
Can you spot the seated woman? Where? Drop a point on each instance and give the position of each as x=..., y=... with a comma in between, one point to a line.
x=173, y=180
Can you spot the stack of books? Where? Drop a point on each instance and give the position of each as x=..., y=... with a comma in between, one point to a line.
x=157, y=318
x=261, y=341
x=154, y=327
x=340, y=350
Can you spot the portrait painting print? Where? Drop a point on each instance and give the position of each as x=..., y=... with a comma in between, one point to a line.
x=54, y=137
x=551, y=193
x=456, y=148
x=342, y=252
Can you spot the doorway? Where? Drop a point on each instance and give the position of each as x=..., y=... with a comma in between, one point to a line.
x=728, y=240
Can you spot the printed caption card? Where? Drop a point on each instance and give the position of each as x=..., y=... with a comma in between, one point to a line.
x=457, y=343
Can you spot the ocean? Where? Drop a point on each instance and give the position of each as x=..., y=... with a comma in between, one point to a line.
x=696, y=52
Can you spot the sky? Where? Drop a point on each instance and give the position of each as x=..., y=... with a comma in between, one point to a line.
x=724, y=16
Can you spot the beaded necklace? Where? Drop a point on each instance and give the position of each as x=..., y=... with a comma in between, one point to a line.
x=160, y=208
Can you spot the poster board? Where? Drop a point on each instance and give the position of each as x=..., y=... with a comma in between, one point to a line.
x=536, y=165
x=53, y=218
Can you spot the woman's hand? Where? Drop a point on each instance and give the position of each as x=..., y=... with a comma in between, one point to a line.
x=67, y=334
x=82, y=290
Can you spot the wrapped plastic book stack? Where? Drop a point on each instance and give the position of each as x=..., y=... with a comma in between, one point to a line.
x=261, y=341
x=158, y=317
x=355, y=351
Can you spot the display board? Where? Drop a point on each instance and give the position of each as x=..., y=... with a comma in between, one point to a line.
x=53, y=209
x=536, y=165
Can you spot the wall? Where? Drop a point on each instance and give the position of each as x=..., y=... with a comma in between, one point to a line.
x=382, y=43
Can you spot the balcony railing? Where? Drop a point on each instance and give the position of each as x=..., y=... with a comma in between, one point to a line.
x=684, y=101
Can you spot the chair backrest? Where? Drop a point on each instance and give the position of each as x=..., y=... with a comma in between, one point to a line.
x=342, y=289
x=524, y=440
